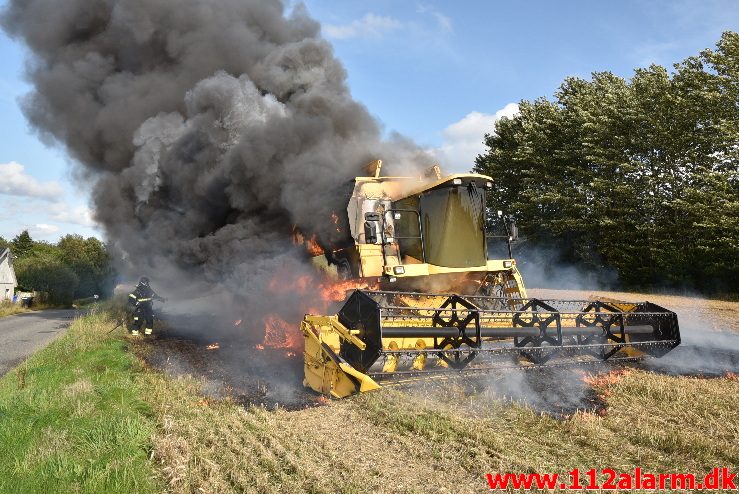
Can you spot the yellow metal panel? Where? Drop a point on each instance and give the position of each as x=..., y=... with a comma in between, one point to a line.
x=431, y=184
x=371, y=260
x=442, y=269
x=519, y=282
x=410, y=270
x=323, y=370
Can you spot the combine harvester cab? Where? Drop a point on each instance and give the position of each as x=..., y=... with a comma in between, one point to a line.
x=443, y=305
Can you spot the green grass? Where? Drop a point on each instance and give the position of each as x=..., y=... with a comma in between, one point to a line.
x=72, y=418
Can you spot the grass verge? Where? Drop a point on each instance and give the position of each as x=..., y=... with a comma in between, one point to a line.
x=9, y=309
x=72, y=418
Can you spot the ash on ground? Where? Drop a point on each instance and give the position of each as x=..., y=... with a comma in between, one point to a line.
x=231, y=365
x=237, y=367
x=557, y=391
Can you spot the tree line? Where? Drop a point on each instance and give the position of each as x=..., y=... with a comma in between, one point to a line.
x=73, y=268
x=637, y=175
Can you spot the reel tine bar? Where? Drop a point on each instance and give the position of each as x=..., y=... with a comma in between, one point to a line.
x=539, y=329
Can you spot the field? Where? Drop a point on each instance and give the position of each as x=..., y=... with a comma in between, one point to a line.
x=112, y=420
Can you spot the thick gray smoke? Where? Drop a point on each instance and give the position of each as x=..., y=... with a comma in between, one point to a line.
x=208, y=129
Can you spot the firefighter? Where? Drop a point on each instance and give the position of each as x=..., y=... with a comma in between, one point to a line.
x=140, y=300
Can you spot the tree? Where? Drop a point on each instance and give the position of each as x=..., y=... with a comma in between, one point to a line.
x=90, y=261
x=638, y=175
x=49, y=275
x=22, y=244
x=73, y=268
x=4, y=244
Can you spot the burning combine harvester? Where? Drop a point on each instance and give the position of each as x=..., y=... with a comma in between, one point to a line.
x=449, y=296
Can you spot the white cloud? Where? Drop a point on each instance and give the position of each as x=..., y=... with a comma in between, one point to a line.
x=14, y=181
x=370, y=25
x=80, y=215
x=42, y=230
x=463, y=140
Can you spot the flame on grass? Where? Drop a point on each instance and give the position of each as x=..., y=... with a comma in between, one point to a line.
x=278, y=333
x=603, y=382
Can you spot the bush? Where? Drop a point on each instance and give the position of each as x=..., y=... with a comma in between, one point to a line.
x=47, y=275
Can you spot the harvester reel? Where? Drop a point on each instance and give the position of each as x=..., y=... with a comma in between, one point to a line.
x=592, y=316
x=455, y=305
x=537, y=314
x=401, y=330
x=452, y=305
x=455, y=361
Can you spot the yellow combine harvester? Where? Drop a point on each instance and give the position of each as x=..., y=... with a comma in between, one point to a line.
x=449, y=294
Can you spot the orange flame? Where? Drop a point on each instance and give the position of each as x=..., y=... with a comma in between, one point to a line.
x=284, y=282
x=259, y=347
x=297, y=235
x=237, y=322
x=336, y=291
x=214, y=346
x=280, y=334
x=335, y=221
x=313, y=248
x=311, y=244
x=604, y=381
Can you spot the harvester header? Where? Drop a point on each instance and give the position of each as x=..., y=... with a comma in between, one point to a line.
x=450, y=295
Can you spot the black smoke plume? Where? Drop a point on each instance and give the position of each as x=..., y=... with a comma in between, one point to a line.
x=207, y=130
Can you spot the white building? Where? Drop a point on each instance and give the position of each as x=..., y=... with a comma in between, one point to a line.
x=8, y=281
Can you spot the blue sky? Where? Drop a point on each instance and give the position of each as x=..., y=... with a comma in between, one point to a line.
x=439, y=72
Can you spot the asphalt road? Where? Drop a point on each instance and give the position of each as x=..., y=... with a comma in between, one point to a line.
x=23, y=334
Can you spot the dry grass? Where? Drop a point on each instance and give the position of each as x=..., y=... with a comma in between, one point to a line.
x=9, y=309
x=391, y=441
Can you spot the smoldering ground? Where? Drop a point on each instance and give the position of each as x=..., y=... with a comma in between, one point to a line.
x=708, y=348
x=558, y=390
